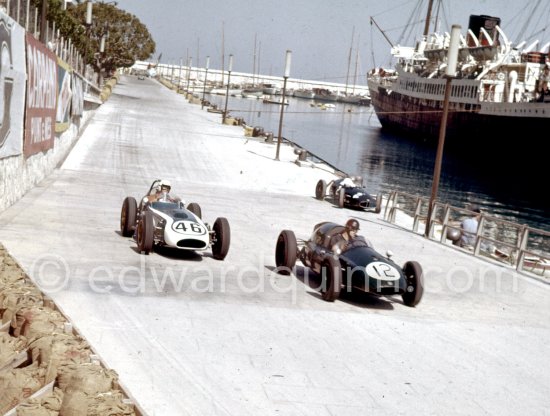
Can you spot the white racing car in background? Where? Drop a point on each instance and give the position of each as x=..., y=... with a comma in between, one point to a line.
x=170, y=223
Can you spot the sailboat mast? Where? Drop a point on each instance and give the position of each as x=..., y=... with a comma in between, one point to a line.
x=198, y=57
x=259, y=59
x=223, y=50
x=254, y=64
x=349, y=59
x=428, y=17
x=356, y=63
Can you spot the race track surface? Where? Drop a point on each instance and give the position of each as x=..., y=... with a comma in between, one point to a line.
x=190, y=335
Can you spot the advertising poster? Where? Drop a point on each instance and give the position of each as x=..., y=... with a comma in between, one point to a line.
x=77, y=105
x=64, y=95
x=12, y=86
x=41, y=97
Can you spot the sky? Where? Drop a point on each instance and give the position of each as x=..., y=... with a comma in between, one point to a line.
x=318, y=32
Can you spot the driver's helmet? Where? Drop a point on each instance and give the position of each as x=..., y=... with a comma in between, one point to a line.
x=352, y=225
x=347, y=183
x=165, y=186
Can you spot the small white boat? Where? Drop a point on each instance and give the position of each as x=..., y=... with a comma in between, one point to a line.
x=278, y=101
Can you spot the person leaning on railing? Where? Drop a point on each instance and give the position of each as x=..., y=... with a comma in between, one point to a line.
x=544, y=79
x=469, y=228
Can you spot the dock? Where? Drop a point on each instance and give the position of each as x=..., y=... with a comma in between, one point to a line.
x=190, y=335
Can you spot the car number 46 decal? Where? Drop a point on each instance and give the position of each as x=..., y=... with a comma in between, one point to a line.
x=383, y=271
x=188, y=227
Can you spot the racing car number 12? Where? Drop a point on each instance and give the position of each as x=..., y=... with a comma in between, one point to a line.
x=188, y=227
x=380, y=270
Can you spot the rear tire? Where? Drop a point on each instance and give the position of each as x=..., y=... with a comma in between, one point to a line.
x=320, y=190
x=331, y=279
x=222, y=233
x=341, y=197
x=415, y=283
x=128, y=216
x=195, y=208
x=145, y=233
x=286, y=252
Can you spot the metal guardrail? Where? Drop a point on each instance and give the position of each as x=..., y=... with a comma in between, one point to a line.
x=523, y=247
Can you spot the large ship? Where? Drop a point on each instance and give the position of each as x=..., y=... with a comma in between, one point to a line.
x=495, y=99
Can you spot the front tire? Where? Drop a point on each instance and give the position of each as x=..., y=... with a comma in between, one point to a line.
x=222, y=233
x=128, y=216
x=145, y=233
x=331, y=276
x=320, y=190
x=415, y=283
x=195, y=208
x=341, y=197
x=286, y=252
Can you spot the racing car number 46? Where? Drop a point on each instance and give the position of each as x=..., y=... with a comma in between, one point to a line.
x=188, y=227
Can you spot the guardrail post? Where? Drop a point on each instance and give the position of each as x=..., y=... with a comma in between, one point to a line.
x=479, y=233
x=428, y=232
x=416, y=218
x=522, y=247
x=446, y=215
x=389, y=204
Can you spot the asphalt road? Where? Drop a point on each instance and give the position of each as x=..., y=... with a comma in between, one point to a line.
x=190, y=335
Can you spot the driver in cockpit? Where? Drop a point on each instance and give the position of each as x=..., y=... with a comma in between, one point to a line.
x=348, y=238
x=163, y=193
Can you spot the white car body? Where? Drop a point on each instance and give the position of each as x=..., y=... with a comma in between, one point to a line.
x=179, y=228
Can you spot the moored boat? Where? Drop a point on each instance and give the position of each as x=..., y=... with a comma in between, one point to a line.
x=252, y=92
x=270, y=100
x=304, y=93
x=324, y=94
x=493, y=100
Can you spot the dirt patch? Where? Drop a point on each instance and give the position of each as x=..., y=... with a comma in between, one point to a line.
x=46, y=367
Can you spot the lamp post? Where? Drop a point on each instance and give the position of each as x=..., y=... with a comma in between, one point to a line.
x=43, y=20
x=100, y=56
x=285, y=78
x=450, y=72
x=189, y=61
x=179, y=77
x=89, y=6
x=227, y=91
x=205, y=76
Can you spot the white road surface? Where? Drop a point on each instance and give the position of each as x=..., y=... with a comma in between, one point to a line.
x=190, y=335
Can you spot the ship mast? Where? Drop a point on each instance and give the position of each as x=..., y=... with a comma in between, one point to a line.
x=349, y=59
x=428, y=17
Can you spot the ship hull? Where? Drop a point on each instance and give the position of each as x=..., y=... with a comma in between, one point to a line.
x=506, y=129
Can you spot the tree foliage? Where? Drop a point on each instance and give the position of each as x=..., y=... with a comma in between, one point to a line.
x=126, y=38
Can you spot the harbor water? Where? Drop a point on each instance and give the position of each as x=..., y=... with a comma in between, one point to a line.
x=350, y=138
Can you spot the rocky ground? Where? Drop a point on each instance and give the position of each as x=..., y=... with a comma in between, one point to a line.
x=46, y=367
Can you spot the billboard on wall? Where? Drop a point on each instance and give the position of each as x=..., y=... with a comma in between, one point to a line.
x=12, y=86
x=41, y=97
x=64, y=94
x=77, y=103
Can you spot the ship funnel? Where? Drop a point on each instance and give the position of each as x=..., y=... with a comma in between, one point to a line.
x=488, y=24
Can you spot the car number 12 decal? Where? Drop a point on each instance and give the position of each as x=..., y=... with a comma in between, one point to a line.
x=188, y=227
x=382, y=271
